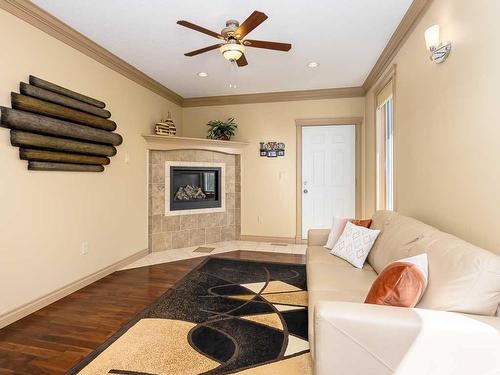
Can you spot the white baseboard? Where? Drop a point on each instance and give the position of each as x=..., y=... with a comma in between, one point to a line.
x=31, y=307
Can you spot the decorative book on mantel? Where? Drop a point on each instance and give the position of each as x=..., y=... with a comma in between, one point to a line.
x=57, y=129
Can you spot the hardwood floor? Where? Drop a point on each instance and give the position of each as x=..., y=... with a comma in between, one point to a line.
x=53, y=339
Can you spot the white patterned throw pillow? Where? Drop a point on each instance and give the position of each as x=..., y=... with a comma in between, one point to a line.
x=355, y=243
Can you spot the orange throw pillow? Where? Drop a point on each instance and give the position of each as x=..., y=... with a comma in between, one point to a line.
x=362, y=223
x=401, y=283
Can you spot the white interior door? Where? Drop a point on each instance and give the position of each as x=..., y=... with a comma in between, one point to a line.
x=328, y=175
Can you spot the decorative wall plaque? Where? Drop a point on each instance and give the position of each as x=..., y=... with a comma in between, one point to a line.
x=272, y=149
x=57, y=129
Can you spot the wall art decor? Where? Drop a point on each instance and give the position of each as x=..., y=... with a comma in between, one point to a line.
x=272, y=149
x=57, y=129
x=166, y=127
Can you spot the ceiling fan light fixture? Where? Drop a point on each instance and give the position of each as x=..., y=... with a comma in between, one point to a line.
x=231, y=40
x=232, y=51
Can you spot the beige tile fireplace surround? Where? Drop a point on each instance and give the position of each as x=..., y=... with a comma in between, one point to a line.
x=189, y=228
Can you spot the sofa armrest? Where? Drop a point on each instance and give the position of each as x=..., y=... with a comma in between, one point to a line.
x=356, y=338
x=317, y=237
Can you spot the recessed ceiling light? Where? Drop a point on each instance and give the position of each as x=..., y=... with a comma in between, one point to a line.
x=202, y=74
x=313, y=64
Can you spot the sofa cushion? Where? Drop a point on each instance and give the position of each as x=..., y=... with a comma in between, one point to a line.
x=324, y=276
x=319, y=254
x=398, y=237
x=462, y=277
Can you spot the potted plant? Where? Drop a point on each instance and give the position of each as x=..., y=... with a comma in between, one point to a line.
x=222, y=130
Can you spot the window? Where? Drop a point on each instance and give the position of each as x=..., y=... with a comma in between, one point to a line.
x=385, y=148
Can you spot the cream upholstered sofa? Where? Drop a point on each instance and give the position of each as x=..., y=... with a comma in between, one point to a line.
x=453, y=330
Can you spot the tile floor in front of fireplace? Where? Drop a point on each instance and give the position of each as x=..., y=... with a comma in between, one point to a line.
x=219, y=247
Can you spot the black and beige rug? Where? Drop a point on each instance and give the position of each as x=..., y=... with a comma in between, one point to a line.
x=225, y=316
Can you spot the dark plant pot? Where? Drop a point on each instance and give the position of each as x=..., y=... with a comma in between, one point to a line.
x=225, y=138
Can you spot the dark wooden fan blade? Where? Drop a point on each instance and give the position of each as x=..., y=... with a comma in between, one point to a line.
x=192, y=26
x=267, y=45
x=242, y=61
x=254, y=20
x=201, y=50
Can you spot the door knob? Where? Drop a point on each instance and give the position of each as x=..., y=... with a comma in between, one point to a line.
x=306, y=191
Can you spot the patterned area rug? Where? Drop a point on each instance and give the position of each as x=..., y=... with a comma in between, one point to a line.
x=224, y=317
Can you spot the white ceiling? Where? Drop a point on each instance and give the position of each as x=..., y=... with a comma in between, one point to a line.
x=344, y=36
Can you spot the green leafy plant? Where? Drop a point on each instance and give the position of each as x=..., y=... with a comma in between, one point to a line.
x=221, y=129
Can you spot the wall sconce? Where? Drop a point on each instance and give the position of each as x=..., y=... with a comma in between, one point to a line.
x=439, y=51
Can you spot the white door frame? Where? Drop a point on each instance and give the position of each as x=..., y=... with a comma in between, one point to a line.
x=300, y=123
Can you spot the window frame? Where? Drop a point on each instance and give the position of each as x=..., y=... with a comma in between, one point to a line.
x=381, y=167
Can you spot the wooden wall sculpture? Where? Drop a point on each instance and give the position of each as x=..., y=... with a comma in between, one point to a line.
x=57, y=129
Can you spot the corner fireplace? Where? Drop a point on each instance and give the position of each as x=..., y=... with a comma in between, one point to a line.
x=194, y=188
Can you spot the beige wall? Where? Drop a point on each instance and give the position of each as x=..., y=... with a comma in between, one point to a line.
x=446, y=124
x=45, y=216
x=268, y=185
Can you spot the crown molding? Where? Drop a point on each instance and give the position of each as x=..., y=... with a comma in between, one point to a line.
x=406, y=26
x=37, y=17
x=271, y=97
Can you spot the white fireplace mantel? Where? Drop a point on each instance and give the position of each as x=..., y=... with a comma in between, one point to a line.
x=165, y=143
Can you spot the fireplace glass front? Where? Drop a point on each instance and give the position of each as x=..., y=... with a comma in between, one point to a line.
x=194, y=188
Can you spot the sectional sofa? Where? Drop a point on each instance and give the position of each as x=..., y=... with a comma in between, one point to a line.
x=455, y=328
